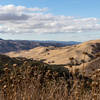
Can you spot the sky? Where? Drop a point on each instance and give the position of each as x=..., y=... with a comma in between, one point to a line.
x=61, y=20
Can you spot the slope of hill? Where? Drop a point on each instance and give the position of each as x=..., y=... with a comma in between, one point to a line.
x=92, y=66
x=26, y=78
x=17, y=45
x=21, y=62
x=35, y=78
x=84, y=52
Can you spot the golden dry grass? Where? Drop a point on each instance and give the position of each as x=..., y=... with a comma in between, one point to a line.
x=32, y=83
x=61, y=55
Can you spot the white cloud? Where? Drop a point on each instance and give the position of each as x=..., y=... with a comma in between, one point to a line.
x=19, y=9
x=20, y=19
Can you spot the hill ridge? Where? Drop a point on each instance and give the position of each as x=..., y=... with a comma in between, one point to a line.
x=62, y=55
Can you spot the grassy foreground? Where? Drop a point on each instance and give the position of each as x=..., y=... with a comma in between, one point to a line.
x=26, y=79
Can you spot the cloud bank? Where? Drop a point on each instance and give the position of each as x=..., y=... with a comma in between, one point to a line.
x=20, y=19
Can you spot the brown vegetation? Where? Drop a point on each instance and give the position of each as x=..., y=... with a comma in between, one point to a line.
x=28, y=79
x=33, y=80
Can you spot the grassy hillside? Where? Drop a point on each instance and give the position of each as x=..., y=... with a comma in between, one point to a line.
x=27, y=79
x=85, y=51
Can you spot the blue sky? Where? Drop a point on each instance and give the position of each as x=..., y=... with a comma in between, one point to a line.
x=81, y=8
x=64, y=20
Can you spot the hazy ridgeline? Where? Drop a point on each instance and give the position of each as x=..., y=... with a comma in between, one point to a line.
x=25, y=79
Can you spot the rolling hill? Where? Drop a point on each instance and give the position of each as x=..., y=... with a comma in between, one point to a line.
x=86, y=54
x=62, y=55
x=28, y=68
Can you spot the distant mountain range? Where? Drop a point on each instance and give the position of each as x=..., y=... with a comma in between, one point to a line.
x=17, y=45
